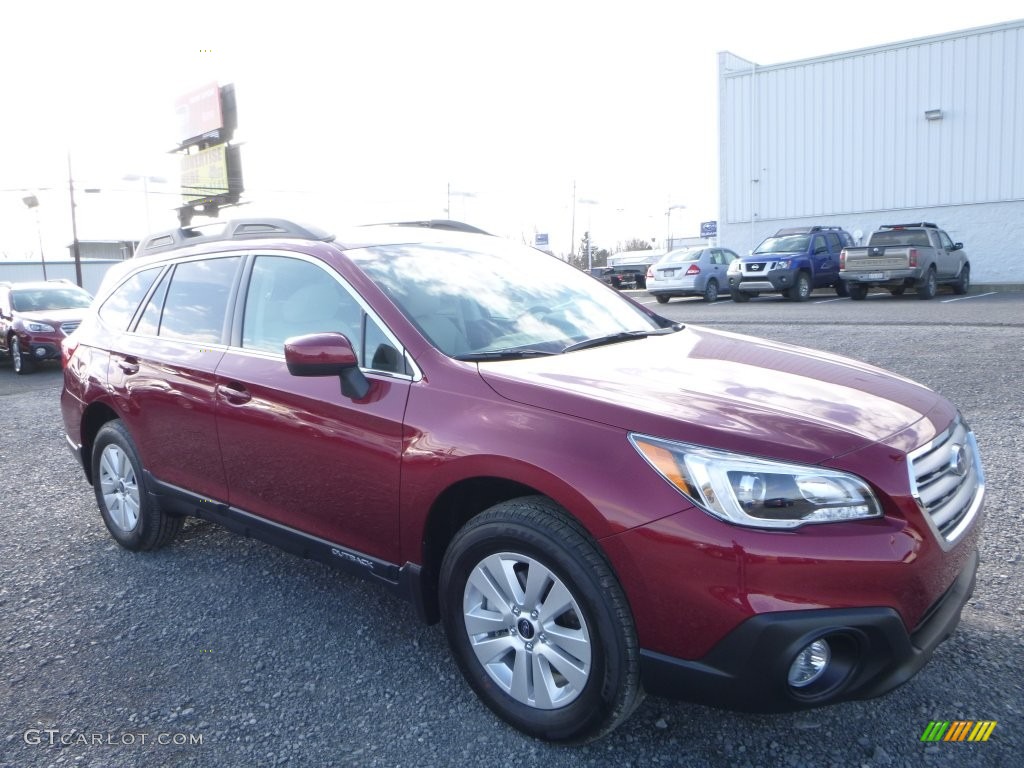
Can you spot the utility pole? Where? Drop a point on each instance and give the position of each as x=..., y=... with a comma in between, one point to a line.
x=572, y=236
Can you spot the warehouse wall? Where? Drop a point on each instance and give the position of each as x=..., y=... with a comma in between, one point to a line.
x=844, y=140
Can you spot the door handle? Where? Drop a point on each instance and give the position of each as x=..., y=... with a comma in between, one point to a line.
x=129, y=365
x=234, y=393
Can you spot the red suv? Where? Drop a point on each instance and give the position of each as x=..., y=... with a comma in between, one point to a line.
x=437, y=412
x=35, y=318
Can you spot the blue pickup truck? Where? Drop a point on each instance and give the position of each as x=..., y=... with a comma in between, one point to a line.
x=792, y=262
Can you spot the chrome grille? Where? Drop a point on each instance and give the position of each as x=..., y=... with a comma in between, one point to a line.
x=70, y=326
x=948, y=482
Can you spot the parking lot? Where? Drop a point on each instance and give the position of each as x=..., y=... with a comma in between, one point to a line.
x=220, y=650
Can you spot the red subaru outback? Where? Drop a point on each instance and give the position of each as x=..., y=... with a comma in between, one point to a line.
x=437, y=411
x=35, y=317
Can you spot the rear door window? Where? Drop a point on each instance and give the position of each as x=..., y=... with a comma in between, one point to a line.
x=197, y=300
x=119, y=308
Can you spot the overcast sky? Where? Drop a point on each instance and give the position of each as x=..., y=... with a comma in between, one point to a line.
x=355, y=112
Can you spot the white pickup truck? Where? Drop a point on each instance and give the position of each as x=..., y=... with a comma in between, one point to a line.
x=900, y=256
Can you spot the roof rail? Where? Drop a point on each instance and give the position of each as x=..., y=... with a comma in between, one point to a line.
x=449, y=224
x=909, y=226
x=806, y=230
x=233, y=229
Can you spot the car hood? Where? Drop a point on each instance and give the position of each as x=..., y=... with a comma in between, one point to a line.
x=772, y=255
x=722, y=390
x=53, y=315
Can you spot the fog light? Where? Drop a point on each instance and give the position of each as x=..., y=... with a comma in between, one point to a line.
x=40, y=352
x=810, y=664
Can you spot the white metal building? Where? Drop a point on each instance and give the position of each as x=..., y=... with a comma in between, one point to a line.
x=923, y=130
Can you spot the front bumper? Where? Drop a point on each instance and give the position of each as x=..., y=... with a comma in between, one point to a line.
x=872, y=654
x=768, y=282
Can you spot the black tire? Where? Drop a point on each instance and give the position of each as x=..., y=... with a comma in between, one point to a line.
x=739, y=296
x=21, y=364
x=544, y=542
x=801, y=290
x=898, y=290
x=963, y=282
x=841, y=289
x=857, y=291
x=662, y=299
x=711, y=291
x=134, y=520
x=928, y=286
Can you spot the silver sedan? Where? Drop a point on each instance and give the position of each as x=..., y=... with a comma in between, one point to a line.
x=689, y=272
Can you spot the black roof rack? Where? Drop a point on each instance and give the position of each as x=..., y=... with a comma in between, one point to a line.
x=233, y=229
x=909, y=226
x=806, y=230
x=449, y=224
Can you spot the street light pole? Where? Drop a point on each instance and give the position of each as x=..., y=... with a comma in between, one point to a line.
x=74, y=228
x=145, y=191
x=668, y=225
x=33, y=202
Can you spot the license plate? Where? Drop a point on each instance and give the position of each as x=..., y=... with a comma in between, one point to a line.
x=874, y=276
x=667, y=272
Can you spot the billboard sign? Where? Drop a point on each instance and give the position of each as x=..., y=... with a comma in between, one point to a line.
x=540, y=240
x=709, y=229
x=211, y=175
x=199, y=113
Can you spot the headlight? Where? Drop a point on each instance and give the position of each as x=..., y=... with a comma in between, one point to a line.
x=781, y=264
x=756, y=492
x=39, y=327
x=734, y=266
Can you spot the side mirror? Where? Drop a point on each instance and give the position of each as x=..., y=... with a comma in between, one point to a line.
x=958, y=246
x=327, y=354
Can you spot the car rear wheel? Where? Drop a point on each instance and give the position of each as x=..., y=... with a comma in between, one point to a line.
x=662, y=299
x=857, y=291
x=22, y=364
x=897, y=291
x=928, y=286
x=711, y=291
x=963, y=282
x=131, y=515
x=538, y=623
x=841, y=289
x=739, y=296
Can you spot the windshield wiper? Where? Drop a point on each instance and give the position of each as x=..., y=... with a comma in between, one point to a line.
x=503, y=354
x=615, y=338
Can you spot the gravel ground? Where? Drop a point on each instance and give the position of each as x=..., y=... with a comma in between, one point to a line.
x=254, y=657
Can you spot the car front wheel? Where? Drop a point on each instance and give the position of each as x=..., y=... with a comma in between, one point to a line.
x=131, y=515
x=22, y=364
x=801, y=290
x=538, y=623
x=857, y=291
x=963, y=282
x=662, y=299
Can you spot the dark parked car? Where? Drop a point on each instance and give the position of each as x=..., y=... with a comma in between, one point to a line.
x=619, y=280
x=35, y=317
x=437, y=412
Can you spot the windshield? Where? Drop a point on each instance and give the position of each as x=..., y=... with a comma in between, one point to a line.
x=784, y=244
x=45, y=299
x=489, y=296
